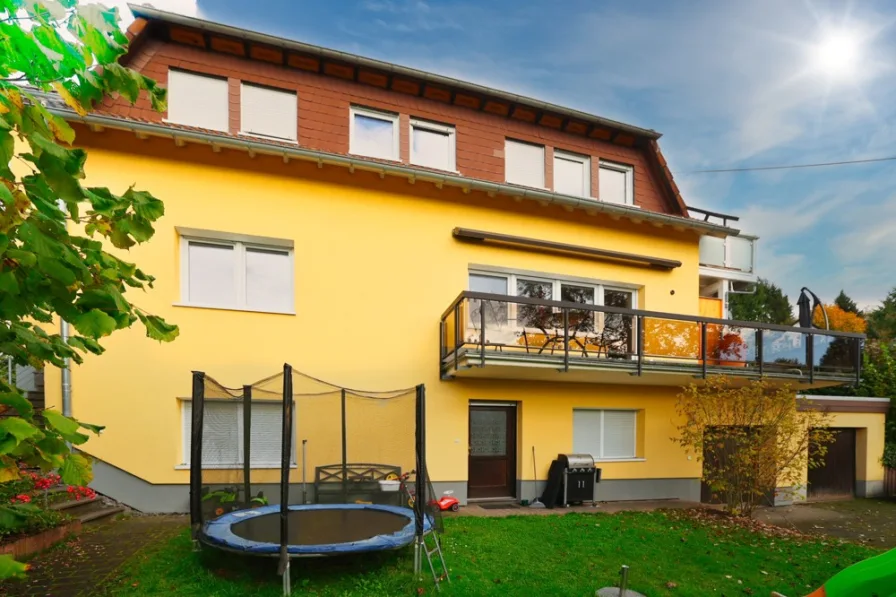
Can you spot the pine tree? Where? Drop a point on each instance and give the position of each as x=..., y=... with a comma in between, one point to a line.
x=847, y=304
x=768, y=304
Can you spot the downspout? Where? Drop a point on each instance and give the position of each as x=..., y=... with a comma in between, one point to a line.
x=66, y=374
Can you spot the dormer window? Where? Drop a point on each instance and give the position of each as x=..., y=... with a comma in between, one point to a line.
x=572, y=174
x=524, y=163
x=616, y=183
x=373, y=134
x=268, y=112
x=198, y=100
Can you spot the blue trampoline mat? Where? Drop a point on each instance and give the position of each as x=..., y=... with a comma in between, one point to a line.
x=315, y=529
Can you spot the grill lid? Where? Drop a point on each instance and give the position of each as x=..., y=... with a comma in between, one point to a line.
x=577, y=460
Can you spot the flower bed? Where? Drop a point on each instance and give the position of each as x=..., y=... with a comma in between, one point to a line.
x=29, y=543
x=27, y=522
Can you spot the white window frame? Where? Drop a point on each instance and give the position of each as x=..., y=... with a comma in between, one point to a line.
x=378, y=115
x=629, y=172
x=543, y=172
x=600, y=457
x=185, y=451
x=295, y=116
x=239, y=243
x=557, y=281
x=445, y=129
x=579, y=158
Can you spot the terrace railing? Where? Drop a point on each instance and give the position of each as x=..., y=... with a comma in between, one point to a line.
x=480, y=327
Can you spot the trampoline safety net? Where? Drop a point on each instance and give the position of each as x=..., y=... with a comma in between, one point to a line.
x=292, y=439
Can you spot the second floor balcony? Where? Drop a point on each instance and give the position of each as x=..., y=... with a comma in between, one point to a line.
x=485, y=335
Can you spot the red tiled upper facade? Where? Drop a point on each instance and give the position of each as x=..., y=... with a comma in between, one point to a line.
x=327, y=89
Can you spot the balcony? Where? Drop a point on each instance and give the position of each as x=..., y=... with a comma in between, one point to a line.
x=486, y=335
x=730, y=257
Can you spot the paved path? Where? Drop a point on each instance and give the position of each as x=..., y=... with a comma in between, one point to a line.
x=869, y=521
x=477, y=509
x=77, y=567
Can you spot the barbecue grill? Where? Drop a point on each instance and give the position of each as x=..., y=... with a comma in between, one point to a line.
x=579, y=478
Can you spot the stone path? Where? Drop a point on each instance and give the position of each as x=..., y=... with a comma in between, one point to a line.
x=77, y=567
x=476, y=509
x=869, y=521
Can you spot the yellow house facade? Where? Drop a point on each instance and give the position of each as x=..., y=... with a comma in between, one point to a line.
x=547, y=312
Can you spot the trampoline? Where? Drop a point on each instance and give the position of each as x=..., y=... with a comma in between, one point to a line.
x=315, y=529
x=364, y=450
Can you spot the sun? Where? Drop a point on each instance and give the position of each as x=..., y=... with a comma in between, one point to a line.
x=838, y=53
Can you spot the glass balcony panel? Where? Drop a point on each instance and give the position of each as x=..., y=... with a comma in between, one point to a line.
x=712, y=251
x=784, y=352
x=740, y=254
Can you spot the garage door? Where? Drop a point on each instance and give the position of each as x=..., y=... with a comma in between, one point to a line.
x=836, y=478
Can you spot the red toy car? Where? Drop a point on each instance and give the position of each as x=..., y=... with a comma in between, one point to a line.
x=448, y=502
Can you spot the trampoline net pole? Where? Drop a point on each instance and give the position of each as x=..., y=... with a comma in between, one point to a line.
x=344, y=450
x=247, y=443
x=196, y=428
x=286, y=449
x=420, y=490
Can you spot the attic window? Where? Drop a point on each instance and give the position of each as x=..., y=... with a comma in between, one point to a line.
x=268, y=112
x=524, y=163
x=616, y=183
x=373, y=134
x=197, y=100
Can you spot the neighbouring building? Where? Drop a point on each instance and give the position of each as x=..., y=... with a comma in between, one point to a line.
x=378, y=227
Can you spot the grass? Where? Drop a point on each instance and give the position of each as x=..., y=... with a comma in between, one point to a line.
x=670, y=553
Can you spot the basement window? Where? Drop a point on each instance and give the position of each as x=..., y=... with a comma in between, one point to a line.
x=433, y=145
x=267, y=112
x=616, y=183
x=198, y=100
x=223, y=437
x=246, y=275
x=572, y=174
x=605, y=434
x=373, y=133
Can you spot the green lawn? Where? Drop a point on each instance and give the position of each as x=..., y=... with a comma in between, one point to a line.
x=669, y=554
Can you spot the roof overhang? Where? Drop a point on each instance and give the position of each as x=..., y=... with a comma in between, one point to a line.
x=151, y=13
x=255, y=146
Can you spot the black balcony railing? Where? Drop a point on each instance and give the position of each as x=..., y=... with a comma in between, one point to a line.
x=480, y=328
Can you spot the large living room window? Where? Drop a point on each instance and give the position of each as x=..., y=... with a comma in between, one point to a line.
x=605, y=434
x=198, y=100
x=222, y=436
x=225, y=271
x=554, y=289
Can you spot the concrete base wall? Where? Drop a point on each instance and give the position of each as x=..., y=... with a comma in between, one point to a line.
x=158, y=499
x=867, y=489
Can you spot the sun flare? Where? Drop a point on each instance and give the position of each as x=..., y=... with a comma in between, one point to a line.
x=838, y=54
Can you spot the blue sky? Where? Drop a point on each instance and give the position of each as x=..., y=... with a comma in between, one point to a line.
x=729, y=84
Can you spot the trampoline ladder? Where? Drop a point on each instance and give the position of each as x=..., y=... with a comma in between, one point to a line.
x=436, y=550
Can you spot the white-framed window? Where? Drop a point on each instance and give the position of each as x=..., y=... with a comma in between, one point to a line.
x=605, y=434
x=373, y=133
x=572, y=173
x=223, y=437
x=433, y=145
x=616, y=332
x=243, y=273
x=616, y=183
x=267, y=112
x=552, y=288
x=524, y=163
x=198, y=100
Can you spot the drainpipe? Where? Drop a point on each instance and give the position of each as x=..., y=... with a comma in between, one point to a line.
x=66, y=374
